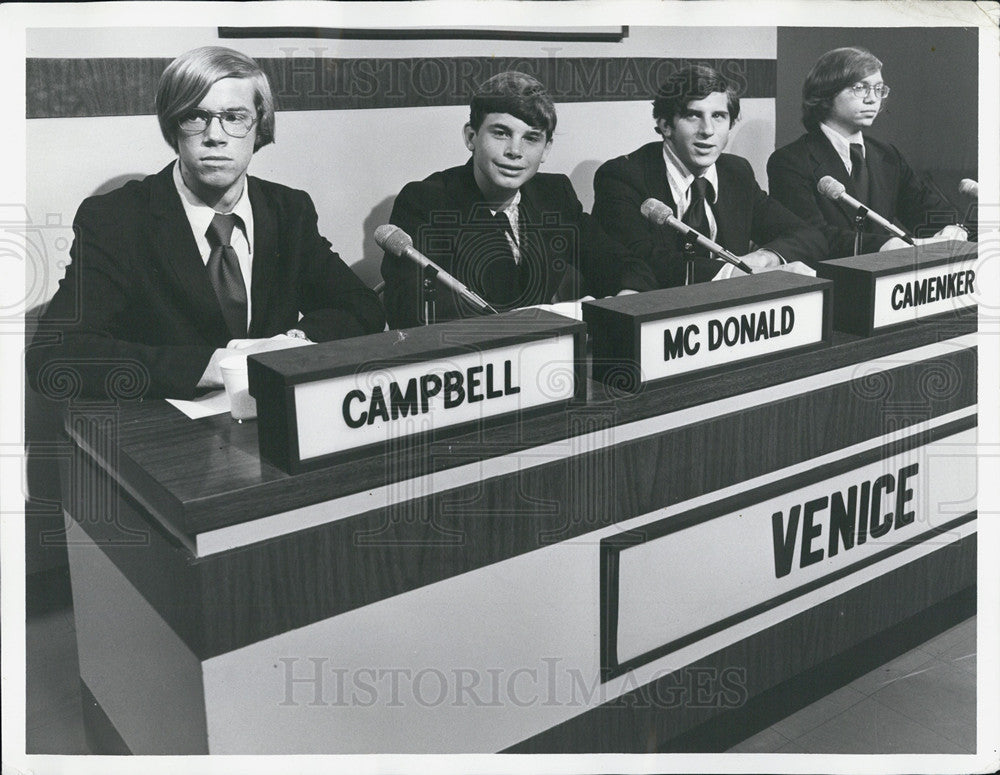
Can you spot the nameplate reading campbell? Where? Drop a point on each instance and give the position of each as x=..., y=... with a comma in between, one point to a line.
x=316, y=404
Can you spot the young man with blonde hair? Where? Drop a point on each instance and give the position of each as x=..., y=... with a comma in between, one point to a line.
x=171, y=273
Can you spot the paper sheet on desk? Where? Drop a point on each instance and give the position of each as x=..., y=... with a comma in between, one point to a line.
x=216, y=402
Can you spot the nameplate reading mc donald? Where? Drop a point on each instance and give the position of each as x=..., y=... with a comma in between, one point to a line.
x=322, y=404
x=706, y=327
x=884, y=291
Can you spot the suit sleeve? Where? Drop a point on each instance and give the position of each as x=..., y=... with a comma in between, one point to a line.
x=334, y=303
x=79, y=349
x=774, y=227
x=617, y=199
x=603, y=262
x=918, y=207
x=792, y=183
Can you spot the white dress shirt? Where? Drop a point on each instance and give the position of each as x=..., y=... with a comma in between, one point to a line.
x=679, y=178
x=513, y=236
x=842, y=144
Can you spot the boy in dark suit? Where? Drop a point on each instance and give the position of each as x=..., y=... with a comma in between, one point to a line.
x=842, y=95
x=514, y=236
x=171, y=273
x=713, y=192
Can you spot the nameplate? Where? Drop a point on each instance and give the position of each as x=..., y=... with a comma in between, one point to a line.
x=683, y=578
x=328, y=402
x=665, y=334
x=884, y=291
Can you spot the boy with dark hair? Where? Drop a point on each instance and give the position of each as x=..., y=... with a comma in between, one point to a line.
x=514, y=236
x=841, y=97
x=713, y=192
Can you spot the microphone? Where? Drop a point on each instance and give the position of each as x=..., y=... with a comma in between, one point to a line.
x=658, y=213
x=833, y=189
x=393, y=239
x=969, y=188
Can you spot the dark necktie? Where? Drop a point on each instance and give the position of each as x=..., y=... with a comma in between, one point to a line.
x=859, y=173
x=696, y=216
x=499, y=276
x=224, y=272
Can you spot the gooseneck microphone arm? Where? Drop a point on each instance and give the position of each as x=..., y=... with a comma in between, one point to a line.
x=833, y=189
x=658, y=213
x=393, y=239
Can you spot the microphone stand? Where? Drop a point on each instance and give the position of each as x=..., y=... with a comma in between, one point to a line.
x=428, y=294
x=859, y=228
x=689, y=259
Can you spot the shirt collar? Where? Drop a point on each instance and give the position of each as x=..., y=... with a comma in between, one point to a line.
x=511, y=209
x=680, y=178
x=842, y=144
x=200, y=215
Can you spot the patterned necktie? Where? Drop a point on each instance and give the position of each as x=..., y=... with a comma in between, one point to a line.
x=859, y=173
x=499, y=277
x=224, y=272
x=696, y=216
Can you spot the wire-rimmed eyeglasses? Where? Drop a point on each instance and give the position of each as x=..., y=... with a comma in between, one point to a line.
x=862, y=90
x=235, y=123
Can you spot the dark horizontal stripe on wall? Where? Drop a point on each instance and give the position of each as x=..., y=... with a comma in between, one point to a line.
x=584, y=35
x=64, y=88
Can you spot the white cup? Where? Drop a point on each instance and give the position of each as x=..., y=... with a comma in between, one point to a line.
x=234, y=376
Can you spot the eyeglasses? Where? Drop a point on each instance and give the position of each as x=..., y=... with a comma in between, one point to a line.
x=235, y=123
x=862, y=90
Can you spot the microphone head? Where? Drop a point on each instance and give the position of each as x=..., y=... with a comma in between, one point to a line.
x=392, y=239
x=830, y=187
x=969, y=188
x=654, y=210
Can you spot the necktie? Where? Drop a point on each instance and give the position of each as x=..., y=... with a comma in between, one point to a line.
x=859, y=173
x=224, y=272
x=696, y=216
x=498, y=272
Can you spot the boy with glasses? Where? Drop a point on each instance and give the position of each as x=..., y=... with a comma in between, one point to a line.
x=172, y=273
x=842, y=95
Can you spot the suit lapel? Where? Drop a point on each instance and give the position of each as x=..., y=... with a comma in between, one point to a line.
x=827, y=161
x=655, y=173
x=881, y=198
x=174, y=253
x=533, y=244
x=654, y=170
x=265, y=254
x=727, y=217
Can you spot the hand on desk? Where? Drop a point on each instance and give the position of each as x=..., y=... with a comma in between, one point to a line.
x=764, y=261
x=212, y=378
x=795, y=267
x=947, y=234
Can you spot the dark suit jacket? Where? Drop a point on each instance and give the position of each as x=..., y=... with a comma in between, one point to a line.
x=137, y=304
x=896, y=193
x=568, y=256
x=742, y=213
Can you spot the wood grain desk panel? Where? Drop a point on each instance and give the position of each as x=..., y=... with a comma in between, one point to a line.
x=206, y=474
